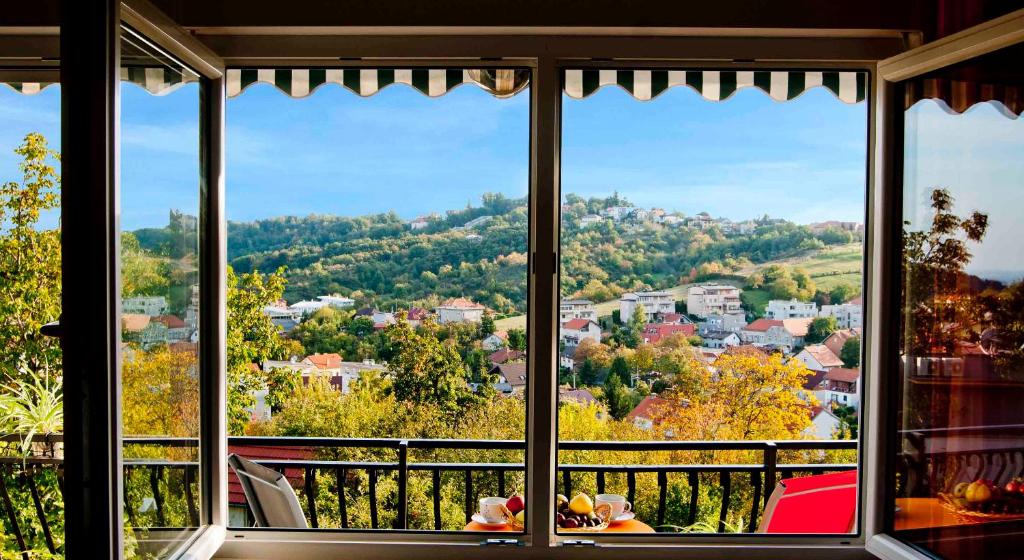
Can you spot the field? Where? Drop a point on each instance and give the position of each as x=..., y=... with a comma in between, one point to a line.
x=828, y=267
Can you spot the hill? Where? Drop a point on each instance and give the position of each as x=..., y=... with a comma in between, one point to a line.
x=479, y=252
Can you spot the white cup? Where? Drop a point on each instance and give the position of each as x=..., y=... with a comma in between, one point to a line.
x=493, y=509
x=617, y=502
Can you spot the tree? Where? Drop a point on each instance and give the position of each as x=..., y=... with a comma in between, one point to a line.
x=486, y=324
x=517, y=339
x=616, y=397
x=587, y=372
x=142, y=274
x=631, y=334
x=820, y=329
x=620, y=369
x=160, y=393
x=850, y=352
x=30, y=269
x=843, y=292
x=252, y=338
x=938, y=307
x=426, y=372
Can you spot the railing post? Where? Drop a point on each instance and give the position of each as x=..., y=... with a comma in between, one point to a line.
x=771, y=460
x=402, y=522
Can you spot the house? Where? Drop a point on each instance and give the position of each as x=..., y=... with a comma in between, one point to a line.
x=648, y=413
x=837, y=339
x=512, y=373
x=791, y=309
x=459, y=310
x=671, y=220
x=839, y=388
x=134, y=322
x=307, y=307
x=848, y=315
x=720, y=339
x=177, y=330
x=325, y=363
x=567, y=358
x=786, y=334
x=494, y=341
x=655, y=332
x=301, y=367
x=639, y=215
x=420, y=222
x=701, y=221
x=144, y=305
x=732, y=322
x=589, y=220
x=617, y=213
x=334, y=300
x=569, y=309
x=824, y=424
x=505, y=355
x=818, y=357
x=576, y=330
x=655, y=304
x=416, y=315
x=713, y=299
x=349, y=372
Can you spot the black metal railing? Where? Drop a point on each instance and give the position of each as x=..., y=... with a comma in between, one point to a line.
x=153, y=477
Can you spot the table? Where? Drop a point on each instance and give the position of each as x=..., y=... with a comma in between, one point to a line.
x=631, y=526
x=924, y=513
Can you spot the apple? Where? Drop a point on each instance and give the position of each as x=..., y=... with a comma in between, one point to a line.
x=1012, y=487
x=515, y=504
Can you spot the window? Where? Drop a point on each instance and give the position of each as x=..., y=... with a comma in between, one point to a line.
x=711, y=271
x=31, y=366
x=160, y=373
x=377, y=296
x=958, y=457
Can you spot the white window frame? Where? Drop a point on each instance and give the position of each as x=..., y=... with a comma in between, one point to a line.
x=975, y=41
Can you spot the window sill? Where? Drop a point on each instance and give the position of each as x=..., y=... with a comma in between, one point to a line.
x=311, y=545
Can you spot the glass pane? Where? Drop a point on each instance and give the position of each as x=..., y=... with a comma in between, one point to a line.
x=711, y=314
x=160, y=200
x=961, y=427
x=31, y=398
x=377, y=246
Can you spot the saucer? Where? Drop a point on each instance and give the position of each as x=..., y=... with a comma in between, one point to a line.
x=623, y=518
x=479, y=518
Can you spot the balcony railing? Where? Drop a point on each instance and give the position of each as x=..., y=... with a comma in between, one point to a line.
x=153, y=478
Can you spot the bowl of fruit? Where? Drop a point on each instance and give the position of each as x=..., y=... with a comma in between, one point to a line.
x=985, y=500
x=579, y=513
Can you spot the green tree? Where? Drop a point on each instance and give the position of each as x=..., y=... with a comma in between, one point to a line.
x=820, y=329
x=517, y=339
x=843, y=292
x=587, y=373
x=426, y=372
x=30, y=272
x=142, y=273
x=252, y=338
x=850, y=352
x=619, y=368
x=486, y=324
x=616, y=397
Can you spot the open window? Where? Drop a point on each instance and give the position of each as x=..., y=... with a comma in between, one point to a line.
x=711, y=274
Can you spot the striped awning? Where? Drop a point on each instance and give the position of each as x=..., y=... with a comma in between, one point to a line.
x=301, y=82
x=717, y=85
x=158, y=80
x=28, y=88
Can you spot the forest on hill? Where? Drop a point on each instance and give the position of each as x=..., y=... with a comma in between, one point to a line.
x=380, y=260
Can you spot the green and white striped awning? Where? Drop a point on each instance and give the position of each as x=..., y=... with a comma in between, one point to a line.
x=717, y=85
x=28, y=88
x=158, y=80
x=300, y=82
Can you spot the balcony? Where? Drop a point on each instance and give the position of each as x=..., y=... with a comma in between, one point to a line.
x=161, y=494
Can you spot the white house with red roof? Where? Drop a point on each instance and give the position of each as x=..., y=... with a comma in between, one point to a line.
x=837, y=339
x=839, y=388
x=459, y=310
x=824, y=424
x=819, y=357
x=577, y=330
x=494, y=341
x=785, y=333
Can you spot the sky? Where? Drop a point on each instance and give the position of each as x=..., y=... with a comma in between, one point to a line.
x=337, y=153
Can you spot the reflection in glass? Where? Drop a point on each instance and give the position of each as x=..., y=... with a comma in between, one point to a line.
x=959, y=491
x=160, y=200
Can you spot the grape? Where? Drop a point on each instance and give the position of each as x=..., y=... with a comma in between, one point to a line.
x=571, y=524
x=559, y=518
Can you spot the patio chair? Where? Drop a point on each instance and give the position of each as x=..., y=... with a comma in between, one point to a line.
x=825, y=503
x=271, y=498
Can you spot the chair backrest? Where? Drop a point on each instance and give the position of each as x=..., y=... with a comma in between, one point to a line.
x=270, y=496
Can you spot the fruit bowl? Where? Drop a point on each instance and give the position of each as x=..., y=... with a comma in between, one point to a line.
x=994, y=510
